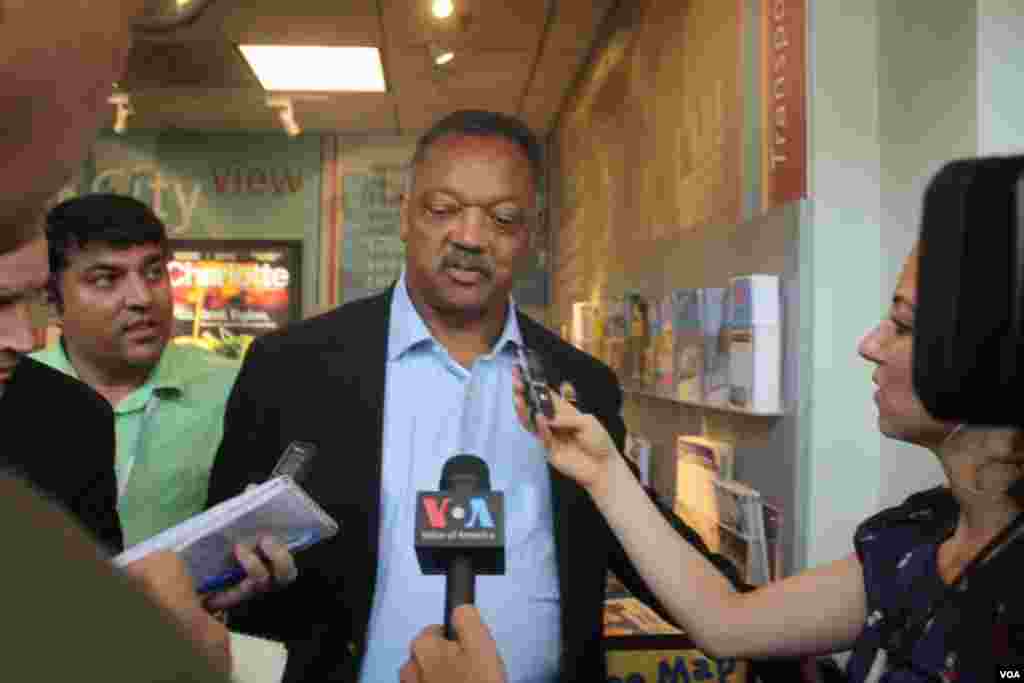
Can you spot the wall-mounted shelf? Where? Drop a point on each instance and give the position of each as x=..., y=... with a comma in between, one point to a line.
x=725, y=408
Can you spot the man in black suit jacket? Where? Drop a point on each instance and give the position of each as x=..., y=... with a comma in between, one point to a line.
x=323, y=380
x=56, y=584
x=59, y=437
x=58, y=434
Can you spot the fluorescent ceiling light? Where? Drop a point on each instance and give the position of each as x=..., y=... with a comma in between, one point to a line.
x=312, y=68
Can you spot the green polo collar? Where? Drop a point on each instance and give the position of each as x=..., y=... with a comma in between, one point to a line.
x=165, y=379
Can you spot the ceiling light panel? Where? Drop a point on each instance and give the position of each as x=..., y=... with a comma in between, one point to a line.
x=308, y=68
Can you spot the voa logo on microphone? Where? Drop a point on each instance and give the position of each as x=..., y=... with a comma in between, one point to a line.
x=440, y=510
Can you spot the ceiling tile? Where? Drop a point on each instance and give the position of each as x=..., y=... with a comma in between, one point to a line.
x=193, y=64
x=498, y=72
x=502, y=25
x=481, y=79
x=538, y=112
x=198, y=79
x=575, y=24
x=555, y=71
x=304, y=22
x=356, y=113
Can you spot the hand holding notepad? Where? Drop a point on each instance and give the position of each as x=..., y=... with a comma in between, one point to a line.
x=279, y=508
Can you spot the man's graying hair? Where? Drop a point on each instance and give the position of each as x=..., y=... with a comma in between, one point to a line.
x=476, y=122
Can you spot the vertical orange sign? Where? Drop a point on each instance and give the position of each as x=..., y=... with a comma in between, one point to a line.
x=784, y=102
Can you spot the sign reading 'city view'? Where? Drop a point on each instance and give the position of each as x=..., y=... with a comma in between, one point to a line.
x=214, y=186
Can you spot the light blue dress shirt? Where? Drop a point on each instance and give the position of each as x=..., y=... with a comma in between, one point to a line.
x=433, y=409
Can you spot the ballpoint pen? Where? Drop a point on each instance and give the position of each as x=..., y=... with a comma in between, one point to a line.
x=235, y=575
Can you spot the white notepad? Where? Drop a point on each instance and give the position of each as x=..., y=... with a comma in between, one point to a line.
x=278, y=508
x=256, y=660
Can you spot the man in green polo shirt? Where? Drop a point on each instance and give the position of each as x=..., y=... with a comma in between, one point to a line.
x=109, y=282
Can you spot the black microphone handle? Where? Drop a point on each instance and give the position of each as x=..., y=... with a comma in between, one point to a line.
x=459, y=589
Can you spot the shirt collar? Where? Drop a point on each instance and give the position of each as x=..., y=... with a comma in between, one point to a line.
x=408, y=330
x=167, y=375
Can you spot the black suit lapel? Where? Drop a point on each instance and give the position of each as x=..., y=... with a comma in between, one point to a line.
x=364, y=361
x=563, y=490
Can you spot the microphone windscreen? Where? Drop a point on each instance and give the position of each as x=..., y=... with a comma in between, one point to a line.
x=465, y=472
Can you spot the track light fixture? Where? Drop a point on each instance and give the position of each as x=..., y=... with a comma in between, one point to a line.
x=124, y=109
x=441, y=55
x=285, y=113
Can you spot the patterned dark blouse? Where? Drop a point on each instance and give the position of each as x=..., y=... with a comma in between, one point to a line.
x=974, y=633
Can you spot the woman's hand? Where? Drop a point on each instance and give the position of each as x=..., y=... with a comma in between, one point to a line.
x=578, y=445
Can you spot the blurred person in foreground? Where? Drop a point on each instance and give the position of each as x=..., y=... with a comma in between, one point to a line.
x=56, y=582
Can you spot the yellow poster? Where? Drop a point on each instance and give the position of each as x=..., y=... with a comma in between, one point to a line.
x=672, y=666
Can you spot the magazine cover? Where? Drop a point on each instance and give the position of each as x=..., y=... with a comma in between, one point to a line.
x=773, y=538
x=583, y=325
x=742, y=534
x=649, y=381
x=715, y=455
x=688, y=345
x=637, y=340
x=736, y=548
x=716, y=345
x=228, y=292
x=599, y=328
x=695, y=502
x=664, y=349
x=615, y=332
x=627, y=616
x=755, y=343
x=638, y=450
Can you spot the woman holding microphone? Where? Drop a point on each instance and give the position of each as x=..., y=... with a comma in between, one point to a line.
x=927, y=595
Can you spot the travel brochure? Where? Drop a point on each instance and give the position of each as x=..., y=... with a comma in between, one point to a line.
x=718, y=346
x=713, y=346
x=731, y=517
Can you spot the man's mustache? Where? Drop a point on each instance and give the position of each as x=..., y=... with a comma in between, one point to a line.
x=466, y=260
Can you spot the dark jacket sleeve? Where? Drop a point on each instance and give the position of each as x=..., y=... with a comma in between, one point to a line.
x=96, y=505
x=72, y=464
